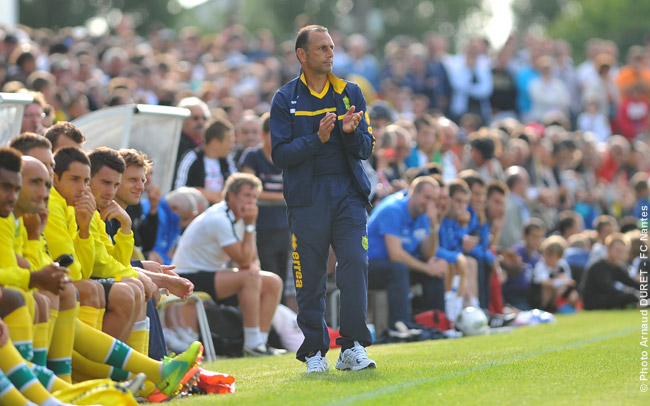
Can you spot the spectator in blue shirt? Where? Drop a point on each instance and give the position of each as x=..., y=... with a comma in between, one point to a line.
x=402, y=236
x=453, y=247
x=478, y=235
x=519, y=263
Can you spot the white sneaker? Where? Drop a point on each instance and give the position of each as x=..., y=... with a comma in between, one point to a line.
x=316, y=363
x=453, y=305
x=187, y=334
x=354, y=359
x=174, y=343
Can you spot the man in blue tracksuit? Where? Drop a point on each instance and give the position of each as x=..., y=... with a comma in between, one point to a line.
x=319, y=134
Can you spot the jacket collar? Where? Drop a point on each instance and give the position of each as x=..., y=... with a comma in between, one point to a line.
x=337, y=84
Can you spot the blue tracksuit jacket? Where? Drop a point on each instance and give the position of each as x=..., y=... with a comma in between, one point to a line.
x=294, y=141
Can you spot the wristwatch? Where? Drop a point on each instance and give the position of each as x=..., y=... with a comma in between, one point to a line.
x=250, y=228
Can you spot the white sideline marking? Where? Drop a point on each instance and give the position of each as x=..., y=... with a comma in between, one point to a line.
x=410, y=384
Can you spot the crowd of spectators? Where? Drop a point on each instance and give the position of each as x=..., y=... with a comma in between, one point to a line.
x=565, y=144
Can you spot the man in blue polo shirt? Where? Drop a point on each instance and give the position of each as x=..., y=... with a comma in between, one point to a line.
x=403, y=236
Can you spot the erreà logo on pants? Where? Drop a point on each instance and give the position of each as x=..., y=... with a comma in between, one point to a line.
x=297, y=269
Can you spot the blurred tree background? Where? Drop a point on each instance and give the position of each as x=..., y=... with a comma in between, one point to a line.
x=58, y=14
x=380, y=20
x=623, y=21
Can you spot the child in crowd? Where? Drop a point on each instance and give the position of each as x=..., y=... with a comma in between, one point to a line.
x=519, y=264
x=552, y=286
x=593, y=121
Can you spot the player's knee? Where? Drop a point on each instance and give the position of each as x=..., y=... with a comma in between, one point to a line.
x=137, y=287
x=272, y=282
x=121, y=299
x=10, y=301
x=43, y=305
x=472, y=265
x=253, y=279
x=68, y=297
x=461, y=265
x=88, y=293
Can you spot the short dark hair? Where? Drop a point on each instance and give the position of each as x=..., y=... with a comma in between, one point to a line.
x=64, y=128
x=10, y=159
x=103, y=156
x=471, y=177
x=302, y=39
x=565, y=220
x=485, y=146
x=513, y=179
x=458, y=185
x=425, y=120
x=603, y=220
x=534, y=224
x=497, y=187
x=217, y=129
x=66, y=156
x=26, y=141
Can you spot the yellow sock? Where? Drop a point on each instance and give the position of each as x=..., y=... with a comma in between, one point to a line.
x=139, y=338
x=30, y=304
x=54, y=315
x=9, y=395
x=40, y=343
x=84, y=369
x=146, y=342
x=100, y=319
x=21, y=375
x=25, y=381
x=100, y=347
x=20, y=331
x=88, y=315
x=59, y=357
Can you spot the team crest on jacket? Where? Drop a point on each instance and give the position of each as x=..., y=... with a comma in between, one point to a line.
x=346, y=101
x=364, y=242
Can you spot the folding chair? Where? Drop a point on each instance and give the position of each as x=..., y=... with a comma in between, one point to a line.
x=197, y=298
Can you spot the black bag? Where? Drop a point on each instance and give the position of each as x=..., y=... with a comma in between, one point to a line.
x=227, y=328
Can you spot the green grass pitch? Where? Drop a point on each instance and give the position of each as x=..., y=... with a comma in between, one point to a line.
x=592, y=358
